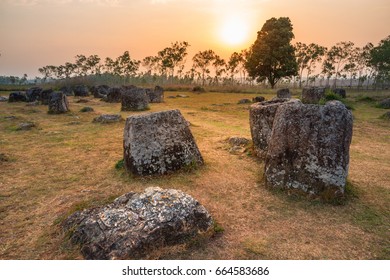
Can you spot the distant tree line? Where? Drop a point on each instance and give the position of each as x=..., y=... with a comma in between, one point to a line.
x=270, y=60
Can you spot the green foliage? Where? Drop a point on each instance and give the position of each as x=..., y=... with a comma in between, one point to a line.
x=365, y=99
x=385, y=116
x=198, y=89
x=380, y=60
x=330, y=95
x=307, y=58
x=218, y=228
x=86, y=109
x=272, y=56
x=120, y=164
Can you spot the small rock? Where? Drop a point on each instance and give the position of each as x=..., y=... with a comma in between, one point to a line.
x=3, y=99
x=74, y=123
x=4, y=157
x=34, y=103
x=10, y=117
x=108, y=118
x=82, y=100
x=237, y=150
x=238, y=141
x=244, y=101
x=26, y=126
x=258, y=99
x=182, y=96
x=385, y=103
x=86, y=109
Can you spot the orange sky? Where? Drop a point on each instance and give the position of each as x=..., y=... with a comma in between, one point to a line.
x=35, y=33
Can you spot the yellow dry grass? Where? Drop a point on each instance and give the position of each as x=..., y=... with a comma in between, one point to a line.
x=67, y=163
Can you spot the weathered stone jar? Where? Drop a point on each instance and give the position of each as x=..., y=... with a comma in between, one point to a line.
x=309, y=149
x=159, y=143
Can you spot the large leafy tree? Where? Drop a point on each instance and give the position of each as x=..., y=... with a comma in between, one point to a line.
x=271, y=57
x=202, y=61
x=336, y=58
x=380, y=60
x=307, y=58
x=173, y=56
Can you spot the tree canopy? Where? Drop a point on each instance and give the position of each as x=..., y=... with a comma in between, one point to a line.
x=380, y=59
x=272, y=57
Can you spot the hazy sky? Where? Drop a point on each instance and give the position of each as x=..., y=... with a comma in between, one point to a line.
x=35, y=33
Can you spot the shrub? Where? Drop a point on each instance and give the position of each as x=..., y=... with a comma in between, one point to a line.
x=330, y=95
x=198, y=89
x=120, y=164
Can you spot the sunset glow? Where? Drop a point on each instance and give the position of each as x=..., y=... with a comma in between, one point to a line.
x=234, y=31
x=35, y=33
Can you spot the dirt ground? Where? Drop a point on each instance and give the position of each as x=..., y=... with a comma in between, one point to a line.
x=68, y=162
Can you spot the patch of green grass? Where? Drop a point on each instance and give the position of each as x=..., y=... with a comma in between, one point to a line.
x=385, y=116
x=120, y=164
x=368, y=218
x=218, y=228
x=329, y=96
x=365, y=99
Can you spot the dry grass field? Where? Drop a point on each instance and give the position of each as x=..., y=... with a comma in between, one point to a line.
x=67, y=163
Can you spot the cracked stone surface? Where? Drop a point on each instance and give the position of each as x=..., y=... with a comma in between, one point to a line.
x=159, y=143
x=261, y=119
x=309, y=149
x=135, y=224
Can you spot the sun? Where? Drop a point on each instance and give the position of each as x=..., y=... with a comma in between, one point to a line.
x=234, y=31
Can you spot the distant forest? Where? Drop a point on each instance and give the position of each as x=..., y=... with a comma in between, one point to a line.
x=343, y=64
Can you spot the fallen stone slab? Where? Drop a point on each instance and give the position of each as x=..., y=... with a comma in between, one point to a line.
x=26, y=126
x=159, y=143
x=244, y=101
x=108, y=118
x=136, y=224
